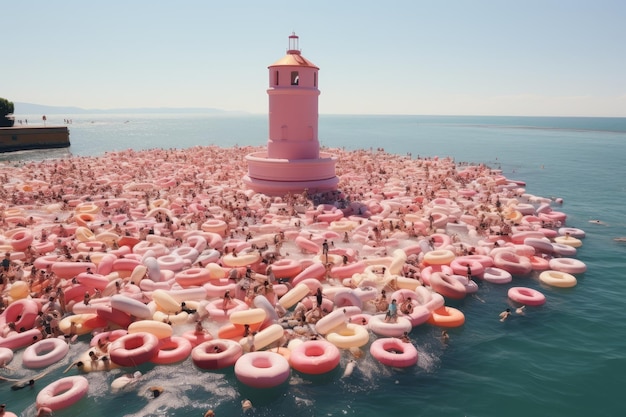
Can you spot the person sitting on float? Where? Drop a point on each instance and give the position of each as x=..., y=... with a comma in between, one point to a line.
x=392, y=312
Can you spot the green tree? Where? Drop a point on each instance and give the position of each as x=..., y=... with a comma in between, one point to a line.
x=6, y=107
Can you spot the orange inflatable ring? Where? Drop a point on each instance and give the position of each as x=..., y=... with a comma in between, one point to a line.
x=447, y=317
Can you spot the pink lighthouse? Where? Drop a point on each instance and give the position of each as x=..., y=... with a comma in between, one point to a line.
x=293, y=161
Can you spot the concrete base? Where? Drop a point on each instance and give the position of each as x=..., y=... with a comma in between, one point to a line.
x=277, y=177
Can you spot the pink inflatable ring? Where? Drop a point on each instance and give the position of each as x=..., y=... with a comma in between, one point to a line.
x=315, y=357
x=262, y=369
x=526, y=296
x=134, y=349
x=393, y=352
x=216, y=354
x=44, y=353
x=63, y=392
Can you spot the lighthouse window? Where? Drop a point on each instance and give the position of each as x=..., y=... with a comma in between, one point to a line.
x=295, y=78
x=315, y=79
x=276, y=81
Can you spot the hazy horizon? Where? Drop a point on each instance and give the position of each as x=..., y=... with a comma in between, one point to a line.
x=74, y=111
x=532, y=58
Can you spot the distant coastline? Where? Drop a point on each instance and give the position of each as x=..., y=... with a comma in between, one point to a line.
x=31, y=108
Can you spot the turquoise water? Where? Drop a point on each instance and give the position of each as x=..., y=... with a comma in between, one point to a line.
x=566, y=358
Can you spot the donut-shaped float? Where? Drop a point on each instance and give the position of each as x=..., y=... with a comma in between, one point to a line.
x=22, y=312
x=286, y=268
x=349, y=336
x=315, y=357
x=391, y=351
x=572, y=231
x=538, y=263
x=241, y=259
x=62, y=393
x=218, y=311
x=134, y=349
x=447, y=285
x=512, y=263
x=447, y=317
x=569, y=265
x=216, y=354
x=172, y=350
x=21, y=239
x=307, y=245
x=159, y=329
x=193, y=277
x=379, y=326
x=460, y=266
x=439, y=257
x=262, y=369
x=497, y=276
x=569, y=241
x=214, y=226
x=526, y=296
x=44, y=353
x=558, y=279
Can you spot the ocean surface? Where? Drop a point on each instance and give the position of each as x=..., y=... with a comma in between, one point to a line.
x=566, y=358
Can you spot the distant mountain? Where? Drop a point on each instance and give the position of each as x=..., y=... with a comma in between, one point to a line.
x=30, y=108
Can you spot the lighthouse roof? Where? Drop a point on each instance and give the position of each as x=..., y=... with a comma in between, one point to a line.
x=293, y=60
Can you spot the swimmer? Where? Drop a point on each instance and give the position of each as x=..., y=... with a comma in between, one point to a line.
x=349, y=368
x=405, y=337
x=595, y=221
x=124, y=380
x=620, y=239
x=246, y=405
x=209, y=413
x=505, y=314
x=444, y=337
x=78, y=364
x=23, y=384
x=155, y=390
x=520, y=310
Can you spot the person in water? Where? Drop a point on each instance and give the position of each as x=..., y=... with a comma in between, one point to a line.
x=23, y=384
x=505, y=314
x=156, y=391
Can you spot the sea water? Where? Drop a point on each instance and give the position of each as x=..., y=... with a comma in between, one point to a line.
x=566, y=358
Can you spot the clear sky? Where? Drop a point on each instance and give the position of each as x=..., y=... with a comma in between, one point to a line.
x=473, y=57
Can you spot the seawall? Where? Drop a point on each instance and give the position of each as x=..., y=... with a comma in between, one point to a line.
x=23, y=138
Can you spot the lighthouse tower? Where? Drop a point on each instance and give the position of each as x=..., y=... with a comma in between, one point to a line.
x=293, y=161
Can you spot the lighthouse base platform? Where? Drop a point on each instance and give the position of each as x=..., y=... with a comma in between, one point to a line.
x=277, y=177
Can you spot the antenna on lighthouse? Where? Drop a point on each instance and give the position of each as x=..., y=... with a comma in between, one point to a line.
x=294, y=44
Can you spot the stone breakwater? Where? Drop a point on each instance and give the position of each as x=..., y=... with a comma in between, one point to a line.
x=160, y=255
